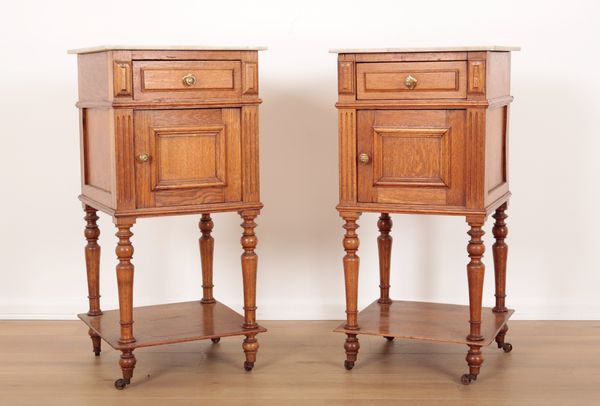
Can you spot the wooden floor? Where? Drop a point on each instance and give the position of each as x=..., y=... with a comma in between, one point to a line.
x=300, y=363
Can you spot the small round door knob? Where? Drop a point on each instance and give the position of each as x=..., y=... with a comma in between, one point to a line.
x=364, y=158
x=143, y=157
x=410, y=82
x=189, y=80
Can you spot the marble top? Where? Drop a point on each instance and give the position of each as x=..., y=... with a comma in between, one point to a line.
x=102, y=48
x=425, y=49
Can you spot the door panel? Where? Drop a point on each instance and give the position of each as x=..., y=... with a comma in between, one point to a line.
x=410, y=157
x=193, y=157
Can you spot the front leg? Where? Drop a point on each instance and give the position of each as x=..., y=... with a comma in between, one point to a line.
x=351, y=264
x=125, y=270
x=249, y=266
x=92, y=265
x=475, y=273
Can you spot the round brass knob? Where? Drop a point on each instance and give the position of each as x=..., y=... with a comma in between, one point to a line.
x=364, y=158
x=143, y=157
x=189, y=80
x=410, y=82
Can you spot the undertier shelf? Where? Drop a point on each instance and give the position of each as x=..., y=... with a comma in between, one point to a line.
x=171, y=323
x=426, y=321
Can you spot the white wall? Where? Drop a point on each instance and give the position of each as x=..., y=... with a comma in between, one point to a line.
x=554, y=267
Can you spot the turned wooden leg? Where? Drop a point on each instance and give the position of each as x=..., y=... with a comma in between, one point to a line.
x=474, y=359
x=125, y=269
x=249, y=264
x=127, y=363
x=92, y=265
x=500, y=253
x=207, y=244
x=351, y=263
x=475, y=273
x=250, y=346
x=384, y=244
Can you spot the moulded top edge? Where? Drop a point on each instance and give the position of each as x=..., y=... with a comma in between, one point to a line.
x=425, y=49
x=102, y=48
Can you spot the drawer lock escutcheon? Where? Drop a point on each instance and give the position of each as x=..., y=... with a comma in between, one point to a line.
x=410, y=82
x=189, y=80
x=364, y=158
x=143, y=158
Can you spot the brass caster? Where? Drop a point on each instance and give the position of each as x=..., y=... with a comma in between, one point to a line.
x=121, y=383
x=466, y=379
x=389, y=338
x=97, y=353
x=507, y=347
x=349, y=365
x=215, y=340
x=248, y=366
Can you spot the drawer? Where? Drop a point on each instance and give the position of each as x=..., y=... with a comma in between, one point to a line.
x=173, y=80
x=411, y=80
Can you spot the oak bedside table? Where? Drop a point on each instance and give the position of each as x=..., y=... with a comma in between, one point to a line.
x=168, y=131
x=424, y=131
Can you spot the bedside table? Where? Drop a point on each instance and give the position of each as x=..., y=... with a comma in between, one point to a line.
x=424, y=131
x=168, y=131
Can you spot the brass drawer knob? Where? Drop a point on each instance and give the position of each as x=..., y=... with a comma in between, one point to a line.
x=410, y=82
x=143, y=157
x=189, y=80
x=364, y=158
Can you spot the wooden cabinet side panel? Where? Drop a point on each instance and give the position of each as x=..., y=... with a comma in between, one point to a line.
x=497, y=75
x=496, y=153
x=249, y=154
x=95, y=80
x=347, y=156
x=97, y=155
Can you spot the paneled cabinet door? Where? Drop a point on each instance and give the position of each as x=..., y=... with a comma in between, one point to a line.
x=187, y=157
x=411, y=156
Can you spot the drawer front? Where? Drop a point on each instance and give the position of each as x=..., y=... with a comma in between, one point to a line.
x=159, y=80
x=411, y=157
x=411, y=80
x=187, y=157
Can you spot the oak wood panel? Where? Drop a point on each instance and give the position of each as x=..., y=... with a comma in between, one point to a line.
x=94, y=77
x=416, y=157
x=97, y=155
x=498, y=74
x=426, y=321
x=171, y=323
x=496, y=154
x=440, y=80
x=164, y=79
x=188, y=156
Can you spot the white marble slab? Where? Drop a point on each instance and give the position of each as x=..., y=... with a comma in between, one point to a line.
x=102, y=48
x=425, y=49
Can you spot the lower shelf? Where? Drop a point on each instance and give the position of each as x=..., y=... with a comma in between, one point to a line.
x=171, y=323
x=426, y=321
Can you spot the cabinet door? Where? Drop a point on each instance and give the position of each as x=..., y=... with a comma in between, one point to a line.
x=187, y=157
x=411, y=157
